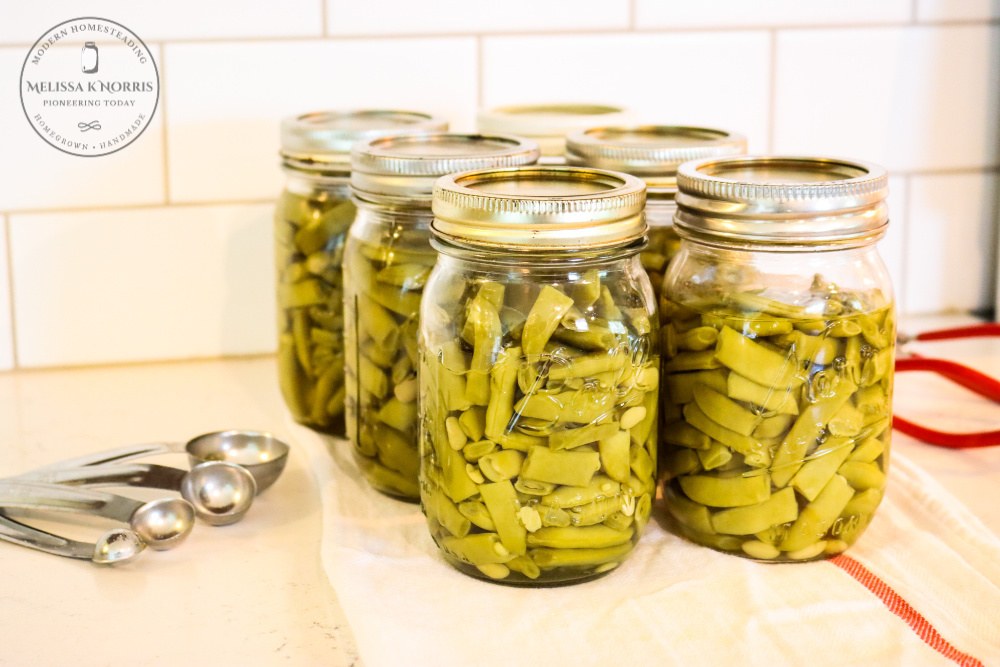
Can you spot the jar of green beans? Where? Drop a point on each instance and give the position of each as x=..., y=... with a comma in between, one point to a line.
x=653, y=153
x=539, y=374
x=548, y=123
x=778, y=340
x=310, y=225
x=387, y=260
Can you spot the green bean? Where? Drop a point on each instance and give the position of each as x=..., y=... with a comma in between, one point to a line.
x=680, y=386
x=614, y=455
x=754, y=452
x=862, y=476
x=488, y=330
x=714, y=456
x=445, y=512
x=561, y=468
x=754, y=361
x=477, y=549
x=548, y=558
x=758, y=324
x=817, y=517
x=598, y=511
x=501, y=500
x=726, y=491
x=869, y=450
x=569, y=416
x=574, y=437
x=816, y=473
x=725, y=411
x=473, y=422
x=694, y=515
x=477, y=450
x=503, y=377
x=592, y=537
x=309, y=235
x=781, y=507
x=693, y=361
x=533, y=487
x=543, y=318
x=820, y=393
x=502, y=465
x=772, y=399
x=567, y=496
x=383, y=282
x=477, y=514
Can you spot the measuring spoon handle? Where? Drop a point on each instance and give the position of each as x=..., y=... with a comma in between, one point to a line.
x=126, y=453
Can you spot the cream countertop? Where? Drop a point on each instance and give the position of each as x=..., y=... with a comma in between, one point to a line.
x=252, y=593
x=255, y=592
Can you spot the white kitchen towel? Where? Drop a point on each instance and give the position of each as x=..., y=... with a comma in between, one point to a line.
x=921, y=587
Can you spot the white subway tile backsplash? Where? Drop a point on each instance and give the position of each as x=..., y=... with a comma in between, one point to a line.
x=678, y=78
x=34, y=174
x=225, y=101
x=892, y=247
x=404, y=17
x=141, y=284
x=950, y=242
x=764, y=13
x=915, y=98
x=23, y=23
x=6, y=325
x=957, y=10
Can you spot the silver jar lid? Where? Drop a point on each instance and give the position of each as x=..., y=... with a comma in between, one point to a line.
x=651, y=152
x=323, y=139
x=782, y=201
x=404, y=167
x=541, y=208
x=548, y=124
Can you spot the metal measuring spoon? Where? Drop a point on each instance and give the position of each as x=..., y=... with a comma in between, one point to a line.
x=220, y=492
x=263, y=455
x=117, y=546
x=161, y=524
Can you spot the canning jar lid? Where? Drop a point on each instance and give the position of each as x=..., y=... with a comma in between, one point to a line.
x=540, y=208
x=548, y=124
x=323, y=139
x=404, y=167
x=782, y=201
x=651, y=152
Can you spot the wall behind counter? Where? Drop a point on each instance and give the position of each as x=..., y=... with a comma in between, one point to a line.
x=163, y=250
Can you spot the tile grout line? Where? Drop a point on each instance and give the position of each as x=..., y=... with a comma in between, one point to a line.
x=324, y=16
x=631, y=15
x=901, y=296
x=9, y=251
x=556, y=32
x=772, y=92
x=163, y=120
x=956, y=171
x=141, y=207
x=479, y=71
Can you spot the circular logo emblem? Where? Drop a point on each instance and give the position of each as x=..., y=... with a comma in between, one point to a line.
x=89, y=86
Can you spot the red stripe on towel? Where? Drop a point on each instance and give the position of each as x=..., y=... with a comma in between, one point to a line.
x=900, y=607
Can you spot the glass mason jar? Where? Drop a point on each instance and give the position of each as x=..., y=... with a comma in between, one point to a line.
x=310, y=225
x=387, y=260
x=653, y=153
x=548, y=124
x=778, y=344
x=539, y=374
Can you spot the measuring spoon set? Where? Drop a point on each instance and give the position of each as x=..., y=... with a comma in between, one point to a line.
x=228, y=468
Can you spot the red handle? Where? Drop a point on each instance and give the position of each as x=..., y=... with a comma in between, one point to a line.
x=964, y=376
x=971, y=379
x=971, y=331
